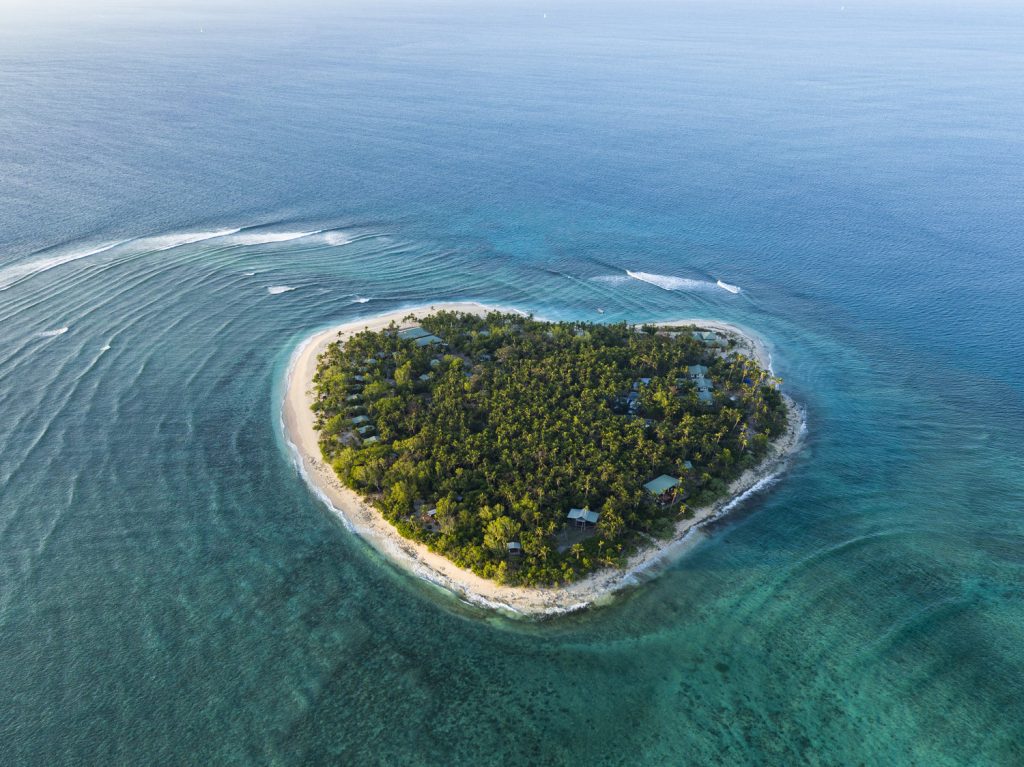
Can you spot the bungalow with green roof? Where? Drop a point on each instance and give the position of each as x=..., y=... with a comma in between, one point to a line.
x=696, y=371
x=708, y=338
x=359, y=420
x=411, y=334
x=582, y=517
x=663, y=488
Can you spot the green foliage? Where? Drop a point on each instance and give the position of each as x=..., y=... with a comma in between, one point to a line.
x=520, y=420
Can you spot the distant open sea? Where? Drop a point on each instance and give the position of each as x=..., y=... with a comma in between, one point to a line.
x=187, y=192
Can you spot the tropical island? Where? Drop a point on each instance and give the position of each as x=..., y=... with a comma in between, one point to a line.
x=535, y=457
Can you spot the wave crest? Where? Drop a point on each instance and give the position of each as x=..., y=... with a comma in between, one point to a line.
x=667, y=282
x=15, y=273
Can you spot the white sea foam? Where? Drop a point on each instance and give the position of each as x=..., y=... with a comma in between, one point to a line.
x=278, y=289
x=611, y=279
x=265, y=237
x=727, y=286
x=361, y=300
x=177, y=239
x=54, y=332
x=337, y=238
x=666, y=282
x=105, y=348
x=15, y=273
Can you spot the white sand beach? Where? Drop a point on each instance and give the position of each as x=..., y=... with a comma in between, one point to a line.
x=363, y=519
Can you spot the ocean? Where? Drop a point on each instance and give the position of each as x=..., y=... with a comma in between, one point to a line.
x=187, y=191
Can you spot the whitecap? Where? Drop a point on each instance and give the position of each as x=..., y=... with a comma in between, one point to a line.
x=269, y=237
x=278, y=289
x=176, y=240
x=336, y=239
x=727, y=286
x=54, y=332
x=666, y=282
x=611, y=279
x=361, y=300
x=105, y=348
x=15, y=273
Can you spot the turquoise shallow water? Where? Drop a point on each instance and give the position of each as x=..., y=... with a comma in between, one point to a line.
x=172, y=592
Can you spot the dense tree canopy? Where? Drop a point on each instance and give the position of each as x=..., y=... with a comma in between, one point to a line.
x=488, y=431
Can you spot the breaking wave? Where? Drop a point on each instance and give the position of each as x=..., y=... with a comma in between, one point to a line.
x=54, y=332
x=269, y=237
x=336, y=239
x=278, y=289
x=15, y=273
x=665, y=282
x=727, y=286
x=167, y=241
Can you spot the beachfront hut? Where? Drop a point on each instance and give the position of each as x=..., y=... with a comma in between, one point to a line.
x=371, y=441
x=427, y=340
x=708, y=339
x=515, y=549
x=365, y=430
x=411, y=334
x=360, y=419
x=663, y=488
x=704, y=397
x=583, y=517
x=696, y=371
x=703, y=384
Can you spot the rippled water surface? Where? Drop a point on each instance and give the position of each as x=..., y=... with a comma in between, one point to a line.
x=187, y=194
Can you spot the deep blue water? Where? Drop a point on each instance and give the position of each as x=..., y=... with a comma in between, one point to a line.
x=170, y=590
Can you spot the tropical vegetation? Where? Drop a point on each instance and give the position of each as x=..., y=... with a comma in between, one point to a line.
x=487, y=431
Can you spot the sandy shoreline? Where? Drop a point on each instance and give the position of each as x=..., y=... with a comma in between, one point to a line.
x=363, y=519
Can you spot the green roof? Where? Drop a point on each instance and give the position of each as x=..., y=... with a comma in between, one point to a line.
x=427, y=339
x=661, y=484
x=411, y=334
x=585, y=514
